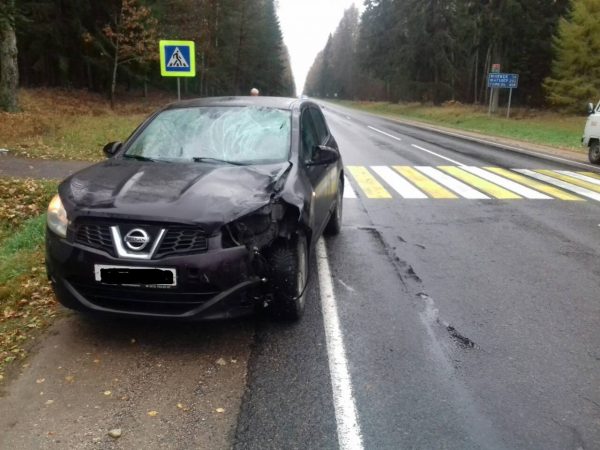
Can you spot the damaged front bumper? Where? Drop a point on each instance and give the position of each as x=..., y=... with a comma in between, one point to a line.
x=218, y=284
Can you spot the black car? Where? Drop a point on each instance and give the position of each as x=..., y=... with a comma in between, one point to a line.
x=209, y=210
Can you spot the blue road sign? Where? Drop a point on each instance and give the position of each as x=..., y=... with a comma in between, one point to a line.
x=503, y=80
x=177, y=59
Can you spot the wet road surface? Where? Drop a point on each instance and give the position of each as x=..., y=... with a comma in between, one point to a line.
x=469, y=310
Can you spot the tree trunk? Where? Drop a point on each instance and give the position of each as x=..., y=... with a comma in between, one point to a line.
x=9, y=72
x=113, y=84
x=238, y=68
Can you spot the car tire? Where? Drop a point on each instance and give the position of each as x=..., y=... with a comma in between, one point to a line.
x=289, y=275
x=334, y=226
x=594, y=154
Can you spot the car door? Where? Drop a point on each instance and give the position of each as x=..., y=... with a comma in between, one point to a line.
x=318, y=175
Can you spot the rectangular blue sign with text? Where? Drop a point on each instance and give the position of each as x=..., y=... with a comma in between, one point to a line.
x=503, y=80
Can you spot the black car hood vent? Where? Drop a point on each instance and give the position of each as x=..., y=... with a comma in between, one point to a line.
x=185, y=193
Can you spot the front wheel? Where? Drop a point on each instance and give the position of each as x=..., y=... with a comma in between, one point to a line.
x=289, y=276
x=594, y=154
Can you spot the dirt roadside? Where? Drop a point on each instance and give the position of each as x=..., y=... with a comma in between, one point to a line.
x=164, y=385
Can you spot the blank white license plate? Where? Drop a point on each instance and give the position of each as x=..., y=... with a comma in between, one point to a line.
x=135, y=276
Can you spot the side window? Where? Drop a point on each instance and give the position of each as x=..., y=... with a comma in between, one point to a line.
x=321, y=127
x=309, y=136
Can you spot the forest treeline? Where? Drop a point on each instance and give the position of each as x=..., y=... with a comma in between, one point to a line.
x=99, y=44
x=440, y=50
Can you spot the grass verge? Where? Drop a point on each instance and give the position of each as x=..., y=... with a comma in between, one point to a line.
x=71, y=124
x=27, y=305
x=538, y=127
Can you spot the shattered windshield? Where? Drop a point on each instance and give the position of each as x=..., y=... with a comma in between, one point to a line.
x=216, y=135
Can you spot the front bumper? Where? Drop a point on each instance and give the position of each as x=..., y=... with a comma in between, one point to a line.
x=217, y=284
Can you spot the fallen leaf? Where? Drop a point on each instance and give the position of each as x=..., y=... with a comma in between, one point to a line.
x=153, y=413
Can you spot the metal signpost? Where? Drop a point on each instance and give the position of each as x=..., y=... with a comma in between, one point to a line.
x=503, y=81
x=177, y=59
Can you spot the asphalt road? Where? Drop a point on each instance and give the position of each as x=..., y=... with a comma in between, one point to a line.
x=467, y=323
x=466, y=315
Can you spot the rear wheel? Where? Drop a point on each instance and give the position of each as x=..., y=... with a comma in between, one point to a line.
x=334, y=226
x=289, y=275
x=594, y=154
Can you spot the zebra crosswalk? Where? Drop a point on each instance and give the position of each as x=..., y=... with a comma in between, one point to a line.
x=469, y=182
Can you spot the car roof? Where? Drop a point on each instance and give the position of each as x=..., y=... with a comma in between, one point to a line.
x=264, y=102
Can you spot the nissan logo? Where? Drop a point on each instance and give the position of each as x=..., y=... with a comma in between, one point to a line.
x=137, y=239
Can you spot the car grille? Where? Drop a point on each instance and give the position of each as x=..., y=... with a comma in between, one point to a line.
x=161, y=301
x=182, y=240
x=96, y=236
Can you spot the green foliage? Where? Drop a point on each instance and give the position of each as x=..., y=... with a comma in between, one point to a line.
x=239, y=45
x=437, y=50
x=575, y=76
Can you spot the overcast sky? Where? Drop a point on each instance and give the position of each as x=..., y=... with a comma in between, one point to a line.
x=306, y=24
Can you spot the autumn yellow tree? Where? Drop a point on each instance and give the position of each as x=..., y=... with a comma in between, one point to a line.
x=129, y=37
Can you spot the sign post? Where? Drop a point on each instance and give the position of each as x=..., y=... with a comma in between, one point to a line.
x=496, y=68
x=177, y=59
x=503, y=81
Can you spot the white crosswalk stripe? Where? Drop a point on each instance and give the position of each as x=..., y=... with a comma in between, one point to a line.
x=399, y=184
x=562, y=184
x=579, y=176
x=452, y=183
x=507, y=184
x=348, y=189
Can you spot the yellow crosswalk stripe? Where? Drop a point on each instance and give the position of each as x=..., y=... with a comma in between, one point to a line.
x=368, y=183
x=590, y=174
x=481, y=184
x=424, y=183
x=542, y=187
x=571, y=180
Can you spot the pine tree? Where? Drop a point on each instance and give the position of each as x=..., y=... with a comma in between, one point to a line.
x=576, y=71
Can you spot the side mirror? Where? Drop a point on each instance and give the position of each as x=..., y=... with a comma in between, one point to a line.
x=324, y=155
x=590, y=108
x=111, y=148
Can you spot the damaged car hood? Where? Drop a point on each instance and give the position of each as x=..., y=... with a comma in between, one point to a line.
x=198, y=193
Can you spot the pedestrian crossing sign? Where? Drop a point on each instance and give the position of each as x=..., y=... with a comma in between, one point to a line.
x=177, y=58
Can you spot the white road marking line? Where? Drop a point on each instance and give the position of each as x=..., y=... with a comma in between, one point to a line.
x=579, y=176
x=348, y=428
x=398, y=183
x=349, y=191
x=569, y=187
x=416, y=146
x=452, y=183
x=508, y=184
x=438, y=155
x=384, y=133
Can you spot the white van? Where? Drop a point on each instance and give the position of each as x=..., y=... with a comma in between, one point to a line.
x=591, y=135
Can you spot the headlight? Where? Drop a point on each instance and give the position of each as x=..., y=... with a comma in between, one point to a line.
x=57, y=217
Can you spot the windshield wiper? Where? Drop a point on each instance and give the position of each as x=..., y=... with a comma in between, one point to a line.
x=139, y=158
x=201, y=159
